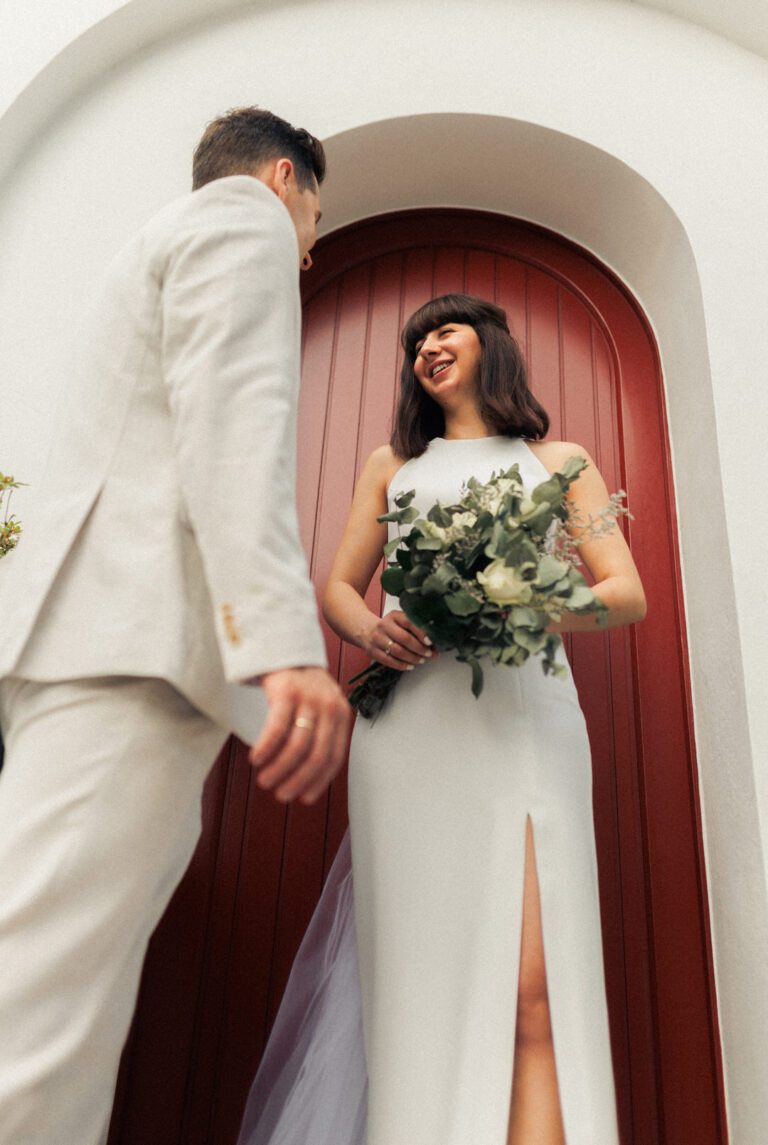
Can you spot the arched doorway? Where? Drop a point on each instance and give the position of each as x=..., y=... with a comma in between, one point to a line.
x=220, y=959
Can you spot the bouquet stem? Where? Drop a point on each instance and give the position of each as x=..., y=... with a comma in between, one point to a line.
x=377, y=683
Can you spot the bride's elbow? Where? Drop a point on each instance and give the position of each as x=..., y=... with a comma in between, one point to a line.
x=639, y=606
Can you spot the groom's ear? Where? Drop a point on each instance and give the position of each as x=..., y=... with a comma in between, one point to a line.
x=281, y=177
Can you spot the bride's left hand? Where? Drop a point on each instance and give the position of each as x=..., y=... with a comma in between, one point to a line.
x=396, y=642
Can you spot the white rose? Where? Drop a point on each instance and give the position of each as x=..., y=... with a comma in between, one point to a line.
x=502, y=585
x=433, y=530
x=463, y=521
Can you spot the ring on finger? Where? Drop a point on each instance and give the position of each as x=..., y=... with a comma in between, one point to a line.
x=388, y=647
x=304, y=722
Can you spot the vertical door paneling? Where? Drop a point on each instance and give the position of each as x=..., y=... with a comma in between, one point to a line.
x=449, y=272
x=317, y=362
x=512, y=295
x=480, y=273
x=543, y=346
x=220, y=959
x=153, y=1069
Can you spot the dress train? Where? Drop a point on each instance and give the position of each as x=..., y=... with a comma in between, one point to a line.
x=312, y=1086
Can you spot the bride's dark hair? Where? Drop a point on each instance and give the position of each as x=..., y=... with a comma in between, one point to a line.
x=505, y=402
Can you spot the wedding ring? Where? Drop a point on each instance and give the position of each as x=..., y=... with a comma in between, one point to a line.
x=303, y=722
x=388, y=648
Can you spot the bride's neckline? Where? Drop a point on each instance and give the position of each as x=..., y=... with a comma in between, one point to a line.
x=485, y=437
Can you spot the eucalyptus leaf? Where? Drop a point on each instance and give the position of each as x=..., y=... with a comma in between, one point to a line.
x=573, y=467
x=477, y=678
x=435, y=583
x=551, y=491
x=521, y=617
x=462, y=603
x=531, y=641
x=550, y=571
x=581, y=598
x=399, y=516
x=439, y=516
x=393, y=580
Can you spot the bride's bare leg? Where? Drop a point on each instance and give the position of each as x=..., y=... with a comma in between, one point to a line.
x=535, y=1117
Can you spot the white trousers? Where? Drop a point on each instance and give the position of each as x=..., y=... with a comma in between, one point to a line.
x=99, y=816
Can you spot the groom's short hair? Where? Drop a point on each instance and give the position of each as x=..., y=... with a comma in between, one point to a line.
x=246, y=138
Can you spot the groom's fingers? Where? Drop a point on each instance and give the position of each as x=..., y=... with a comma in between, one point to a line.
x=307, y=710
x=295, y=750
x=338, y=752
x=274, y=733
x=316, y=763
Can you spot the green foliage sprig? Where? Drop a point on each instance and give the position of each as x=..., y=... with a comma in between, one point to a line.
x=485, y=577
x=10, y=526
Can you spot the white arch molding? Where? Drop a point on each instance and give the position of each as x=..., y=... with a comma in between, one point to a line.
x=508, y=163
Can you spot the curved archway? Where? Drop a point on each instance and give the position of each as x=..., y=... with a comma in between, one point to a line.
x=594, y=364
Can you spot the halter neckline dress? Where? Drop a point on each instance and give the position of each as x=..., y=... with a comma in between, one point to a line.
x=440, y=788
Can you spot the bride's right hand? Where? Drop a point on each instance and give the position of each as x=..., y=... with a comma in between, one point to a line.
x=397, y=642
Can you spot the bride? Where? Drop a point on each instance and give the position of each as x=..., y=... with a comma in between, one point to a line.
x=454, y=993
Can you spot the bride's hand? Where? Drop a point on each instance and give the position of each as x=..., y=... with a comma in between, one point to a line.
x=395, y=641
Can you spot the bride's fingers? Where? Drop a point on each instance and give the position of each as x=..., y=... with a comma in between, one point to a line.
x=410, y=632
x=399, y=655
x=403, y=645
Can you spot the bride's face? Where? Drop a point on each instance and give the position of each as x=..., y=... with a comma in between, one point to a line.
x=448, y=361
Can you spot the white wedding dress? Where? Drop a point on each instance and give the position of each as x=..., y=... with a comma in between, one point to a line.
x=398, y=1022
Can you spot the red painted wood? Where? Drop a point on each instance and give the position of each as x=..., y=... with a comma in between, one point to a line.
x=220, y=959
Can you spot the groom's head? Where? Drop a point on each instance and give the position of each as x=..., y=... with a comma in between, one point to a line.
x=287, y=159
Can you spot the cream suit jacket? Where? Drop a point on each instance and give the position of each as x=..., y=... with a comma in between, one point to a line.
x=163, y=539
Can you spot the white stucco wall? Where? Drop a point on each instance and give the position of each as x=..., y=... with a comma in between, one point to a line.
x=640, y=136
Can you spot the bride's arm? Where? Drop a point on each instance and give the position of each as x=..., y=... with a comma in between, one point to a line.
x=357, y=559
x=617, y=581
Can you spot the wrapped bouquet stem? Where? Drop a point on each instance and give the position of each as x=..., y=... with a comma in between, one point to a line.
x=485, y=577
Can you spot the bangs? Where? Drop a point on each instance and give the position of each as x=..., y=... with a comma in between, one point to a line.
x=450, y=308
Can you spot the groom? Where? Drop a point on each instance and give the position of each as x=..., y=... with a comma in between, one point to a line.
x=159, y=600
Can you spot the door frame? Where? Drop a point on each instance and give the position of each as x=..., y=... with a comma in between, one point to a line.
x=671, y=980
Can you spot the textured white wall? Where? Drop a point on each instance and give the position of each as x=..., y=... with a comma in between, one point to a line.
x=639, y=136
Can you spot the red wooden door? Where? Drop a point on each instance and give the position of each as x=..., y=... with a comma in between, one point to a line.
x=220, y=958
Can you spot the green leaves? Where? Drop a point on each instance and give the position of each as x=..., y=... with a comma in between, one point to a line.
x=485, y=576
x=399, y=516
x=550, y=571
x=463, y=604
x=439, y=516
x=572, y=468
x=580, y=598
x=393, y=580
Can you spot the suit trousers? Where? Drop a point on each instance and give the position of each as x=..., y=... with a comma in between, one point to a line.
x=99, y=816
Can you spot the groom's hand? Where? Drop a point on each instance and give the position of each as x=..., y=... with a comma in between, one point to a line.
x=304, y=740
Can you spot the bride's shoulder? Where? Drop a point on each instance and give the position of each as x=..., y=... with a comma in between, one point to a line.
x=384, y=463
x=380, y=468
x=554, y=454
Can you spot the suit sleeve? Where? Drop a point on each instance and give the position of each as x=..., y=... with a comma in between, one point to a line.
x=230, y=344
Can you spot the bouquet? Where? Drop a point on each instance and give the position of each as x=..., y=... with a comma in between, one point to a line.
x=485, y=577
x=10, y=527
